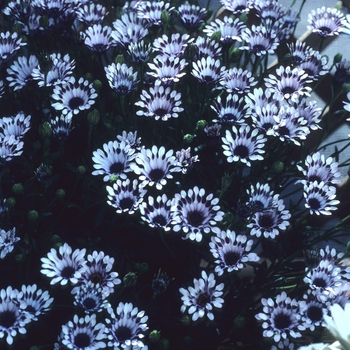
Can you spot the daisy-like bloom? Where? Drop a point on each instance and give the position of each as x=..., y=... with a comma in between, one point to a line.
x=20, y=72
x=16, y=126
x=281, y=317
x=125, y=196
x=202, y=297
x=259, y=40
x=139, y=52
x=130, y=138
x=98, y=271
x=44, y=173
x=129, y=29
x=156, y=212
x=185, y=160
x=318, y=168
x=121, y=78
x=259, y=98
x=326, y=21
x=167, y=69
x=7, y=241
x=337, y=325
x=342, y=72
x=151, y=12
x=207, y=47
x=125, y=327
x=114, y=160
x=231, y=29
x=320, y=198
x=160, y=103
x=243, y=145
x=56, y=70
x=261, y=198
x=288, y=84
x=323, y=277
x=315, y=66
x=10, y=147
x=232, y=111
x=231, y=251
x=160, y=282
x=98, y=38
x=18, y=10
x=61, y=126
x=154, y=166
x=35, y=301
x=65, y=265
x=213, y=134
x=91, y=13
x=270, y=10
x=74, y=96
x=208, y=70
x=191, y=16
x=238, y=81
x=90, y=297
x=55, y=8
x=84, y=333
x=9, y=44
x=237, y=7
x=174, y=46
x=195, y=213
x=309, y=111
x=269, y=222
x=12, y=317
x=300, y=52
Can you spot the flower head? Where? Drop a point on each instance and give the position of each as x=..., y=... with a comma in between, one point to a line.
x=9, y=44
x=98, y=38
x=7, y=241
x=191, y=16
x=208, y=70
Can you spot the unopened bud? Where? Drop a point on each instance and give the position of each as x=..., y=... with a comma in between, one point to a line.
x=163, y=344
x=60, y=193
x=97, y=85
x=93, y=117
x=33, y=215
x=188, y=138
x=201, y=124
x=186, y=320
x=119, y=59
x=216, y=36
x=337, y=58
x=45, y=130
x=130, y=279
x=17, y=188
x=81, y=170
x=164, y=17
x=10, y=202
x=154, y=336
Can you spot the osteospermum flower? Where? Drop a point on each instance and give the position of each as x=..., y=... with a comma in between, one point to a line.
x=84, y=333
x=202, y=297
x=156, y=212
x=125, y=196
x=173, y=46
x=270, y=10
x=20, y=72
x=191, y=16
x=237, y=7
x=151, y=12
x=61, y=126
x=231, y=251
x=9, y=43
x=261, y=198
x=7, y=241
x=320, y=198
x=121, y=78
x=126, y=327
x=12, y=317
x=139, y=52
x=185, y=160
x=130, y=138
x=207, y=47
x=243, y=145
x=315, y=66
x=160, y=103
x=326, y=21
x=195, y=213
x=74, y=96
x=154, y=166
x=289, y=84
x=91, y=13
x=208, y=70
x=300, y=52
x=51, y=8
x=14, y=126
x=319, y=169
x=281, y=317
x=98, y=38
x=10, y=146
x=237, y=81
x=65, y=265
x=18, y=10
x=309, y=111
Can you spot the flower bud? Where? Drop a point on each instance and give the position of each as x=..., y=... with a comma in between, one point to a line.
x=10, y=202
x=201, y=124
x=18, y=188
x=278, y=166
x=60, y=193
x=154, y=336
x=130, y=279
x=45, y=130
x=143, y=267
x=33, y=215
x=97, y=85
x=163, y=344
x=19, y=258
x=337, y=58
x=81, y=170
x=216, y=36
x=186, y=320
x=93, y=117
x=164, y=17
x=188, y=138
x=346, y=88
x=36, y=145
x=88, y=76
x=119, y=59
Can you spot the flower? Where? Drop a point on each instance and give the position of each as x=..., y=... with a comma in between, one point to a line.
x=139, y=52
x=237, y=81
x=121, y=78
x=91, y=13
x=98, y=38
x=207, y=47
x=208, y=70
x=151, y=12
x=195, y=213
x=162, y=103
x=174, y=46
x=261, y=198
x=202, y=297
x=300, y=52
x=326, y=21
x=7, y=241
x=237, y=7
x=337, y=324
x=10, y=147
x=20, y=72
x=64, y=266
x=231, y=251
x=61, y=126
x=243, y=145
x=315, y=66
x=115, y=159
x=14, y=126
x=9, y=43
x=131, y=139
x=50, y=8
x=126, y=327
x=320, y=198
x=160, y=282
x=125, y=196
x=191, y=16
x=281, y=317
x=12, y=317
x=74, y=96
x=156, y=212
x=83, y=333
x=154, y=166
x=185, y=160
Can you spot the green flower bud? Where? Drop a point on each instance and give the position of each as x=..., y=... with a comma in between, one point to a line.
x=119, y=59
x=216, y=36
x=81, y=170
x=201, y=124
x=226, y=181
x=143, y=267
x=119, y=119
x=19, y=257
x=188, y=138
x=186, y=320
x=93, y=117
x=337, y=58
x=239, y=322
x=88, y=76
x=278, y=166
x=130, y=279
x=18, y=188
x=154, y=336
x=45, y=130
x=56, y=239
x=57, y=245
x=346, y=88
x=10, y=202
x=174, y=17
x=165, y=18
x=97, y=85
x=60, y=193
x=235, y=54
x=36, y=145
x=33, y=215
x=44, y=21
x=163, y=344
